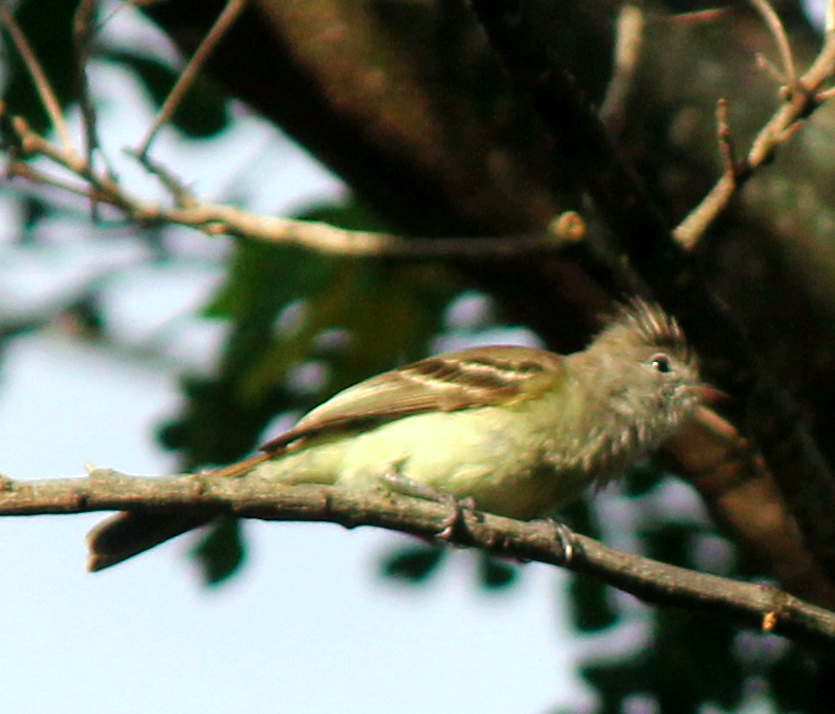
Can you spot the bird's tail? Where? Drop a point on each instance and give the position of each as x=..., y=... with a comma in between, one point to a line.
x=127, y=534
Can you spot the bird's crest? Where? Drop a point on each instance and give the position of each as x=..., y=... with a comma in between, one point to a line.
x=651, y=325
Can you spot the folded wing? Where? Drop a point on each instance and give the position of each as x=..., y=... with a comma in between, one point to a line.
x=466, y=379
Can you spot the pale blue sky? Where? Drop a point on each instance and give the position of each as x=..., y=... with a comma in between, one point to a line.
x=309, y=627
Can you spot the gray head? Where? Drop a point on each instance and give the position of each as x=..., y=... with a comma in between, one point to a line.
x=642, y=379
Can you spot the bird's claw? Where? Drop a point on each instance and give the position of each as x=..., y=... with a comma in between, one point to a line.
x=403, y=484
x=566, y=538
x=455, y=519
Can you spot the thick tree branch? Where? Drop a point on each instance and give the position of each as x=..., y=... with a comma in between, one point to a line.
x=746, y=504
x=745, y=604
x=643, y=239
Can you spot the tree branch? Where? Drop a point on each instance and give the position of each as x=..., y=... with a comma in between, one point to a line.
x=215, y=219
x=643, y=240
x=226, y=18
x=744, y=604
x=39, y=79
x=629, y=39
x=801, y=97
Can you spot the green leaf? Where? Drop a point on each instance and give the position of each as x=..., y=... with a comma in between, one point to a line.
x=221, y=551
x=642, y=478
x=388, y=313
x=202, y=111
x=226, y=413
x=591, y=606
x=688, y=664
x=413, y=564
x=496, y=574
x=216, y=427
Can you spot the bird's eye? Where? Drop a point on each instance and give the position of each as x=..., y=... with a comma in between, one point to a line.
x=662, y=363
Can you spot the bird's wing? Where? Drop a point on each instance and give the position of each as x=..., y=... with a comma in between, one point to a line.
x=465, y=379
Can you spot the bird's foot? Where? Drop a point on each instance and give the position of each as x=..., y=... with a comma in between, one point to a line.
x=455, y=519
x=566, y=538
x=396, y=481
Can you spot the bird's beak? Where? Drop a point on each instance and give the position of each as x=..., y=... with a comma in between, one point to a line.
x=709, y=394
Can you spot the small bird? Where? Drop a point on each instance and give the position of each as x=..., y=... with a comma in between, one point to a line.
x=520, y=432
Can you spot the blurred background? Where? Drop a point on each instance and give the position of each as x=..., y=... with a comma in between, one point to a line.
x=157, y=349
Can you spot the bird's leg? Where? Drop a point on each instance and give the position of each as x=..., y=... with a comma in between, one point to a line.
x=398, y=482
x=455, y=519
x=566, y=538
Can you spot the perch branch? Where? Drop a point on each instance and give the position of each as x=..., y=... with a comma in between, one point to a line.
x=745, y=604
x=84, y=26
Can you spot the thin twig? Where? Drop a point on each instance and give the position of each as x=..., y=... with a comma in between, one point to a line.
x=20, y=169
x=215, y=219
x=771, y=69
x=179, y=192
x=782, y=125
x=688, y=18
x=735, y=172
x=725, y=137
x=83, y=34
x=224, y=21
x=629, y=38
x=219, y=219
x=44, y=89
x=778, y=32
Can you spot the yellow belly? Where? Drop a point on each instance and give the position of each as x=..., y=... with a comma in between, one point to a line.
x=486, y=454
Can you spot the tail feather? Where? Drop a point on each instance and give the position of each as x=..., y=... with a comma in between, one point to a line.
x=128, y=534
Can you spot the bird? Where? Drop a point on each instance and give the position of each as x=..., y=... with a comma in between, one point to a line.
x=516, y=431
